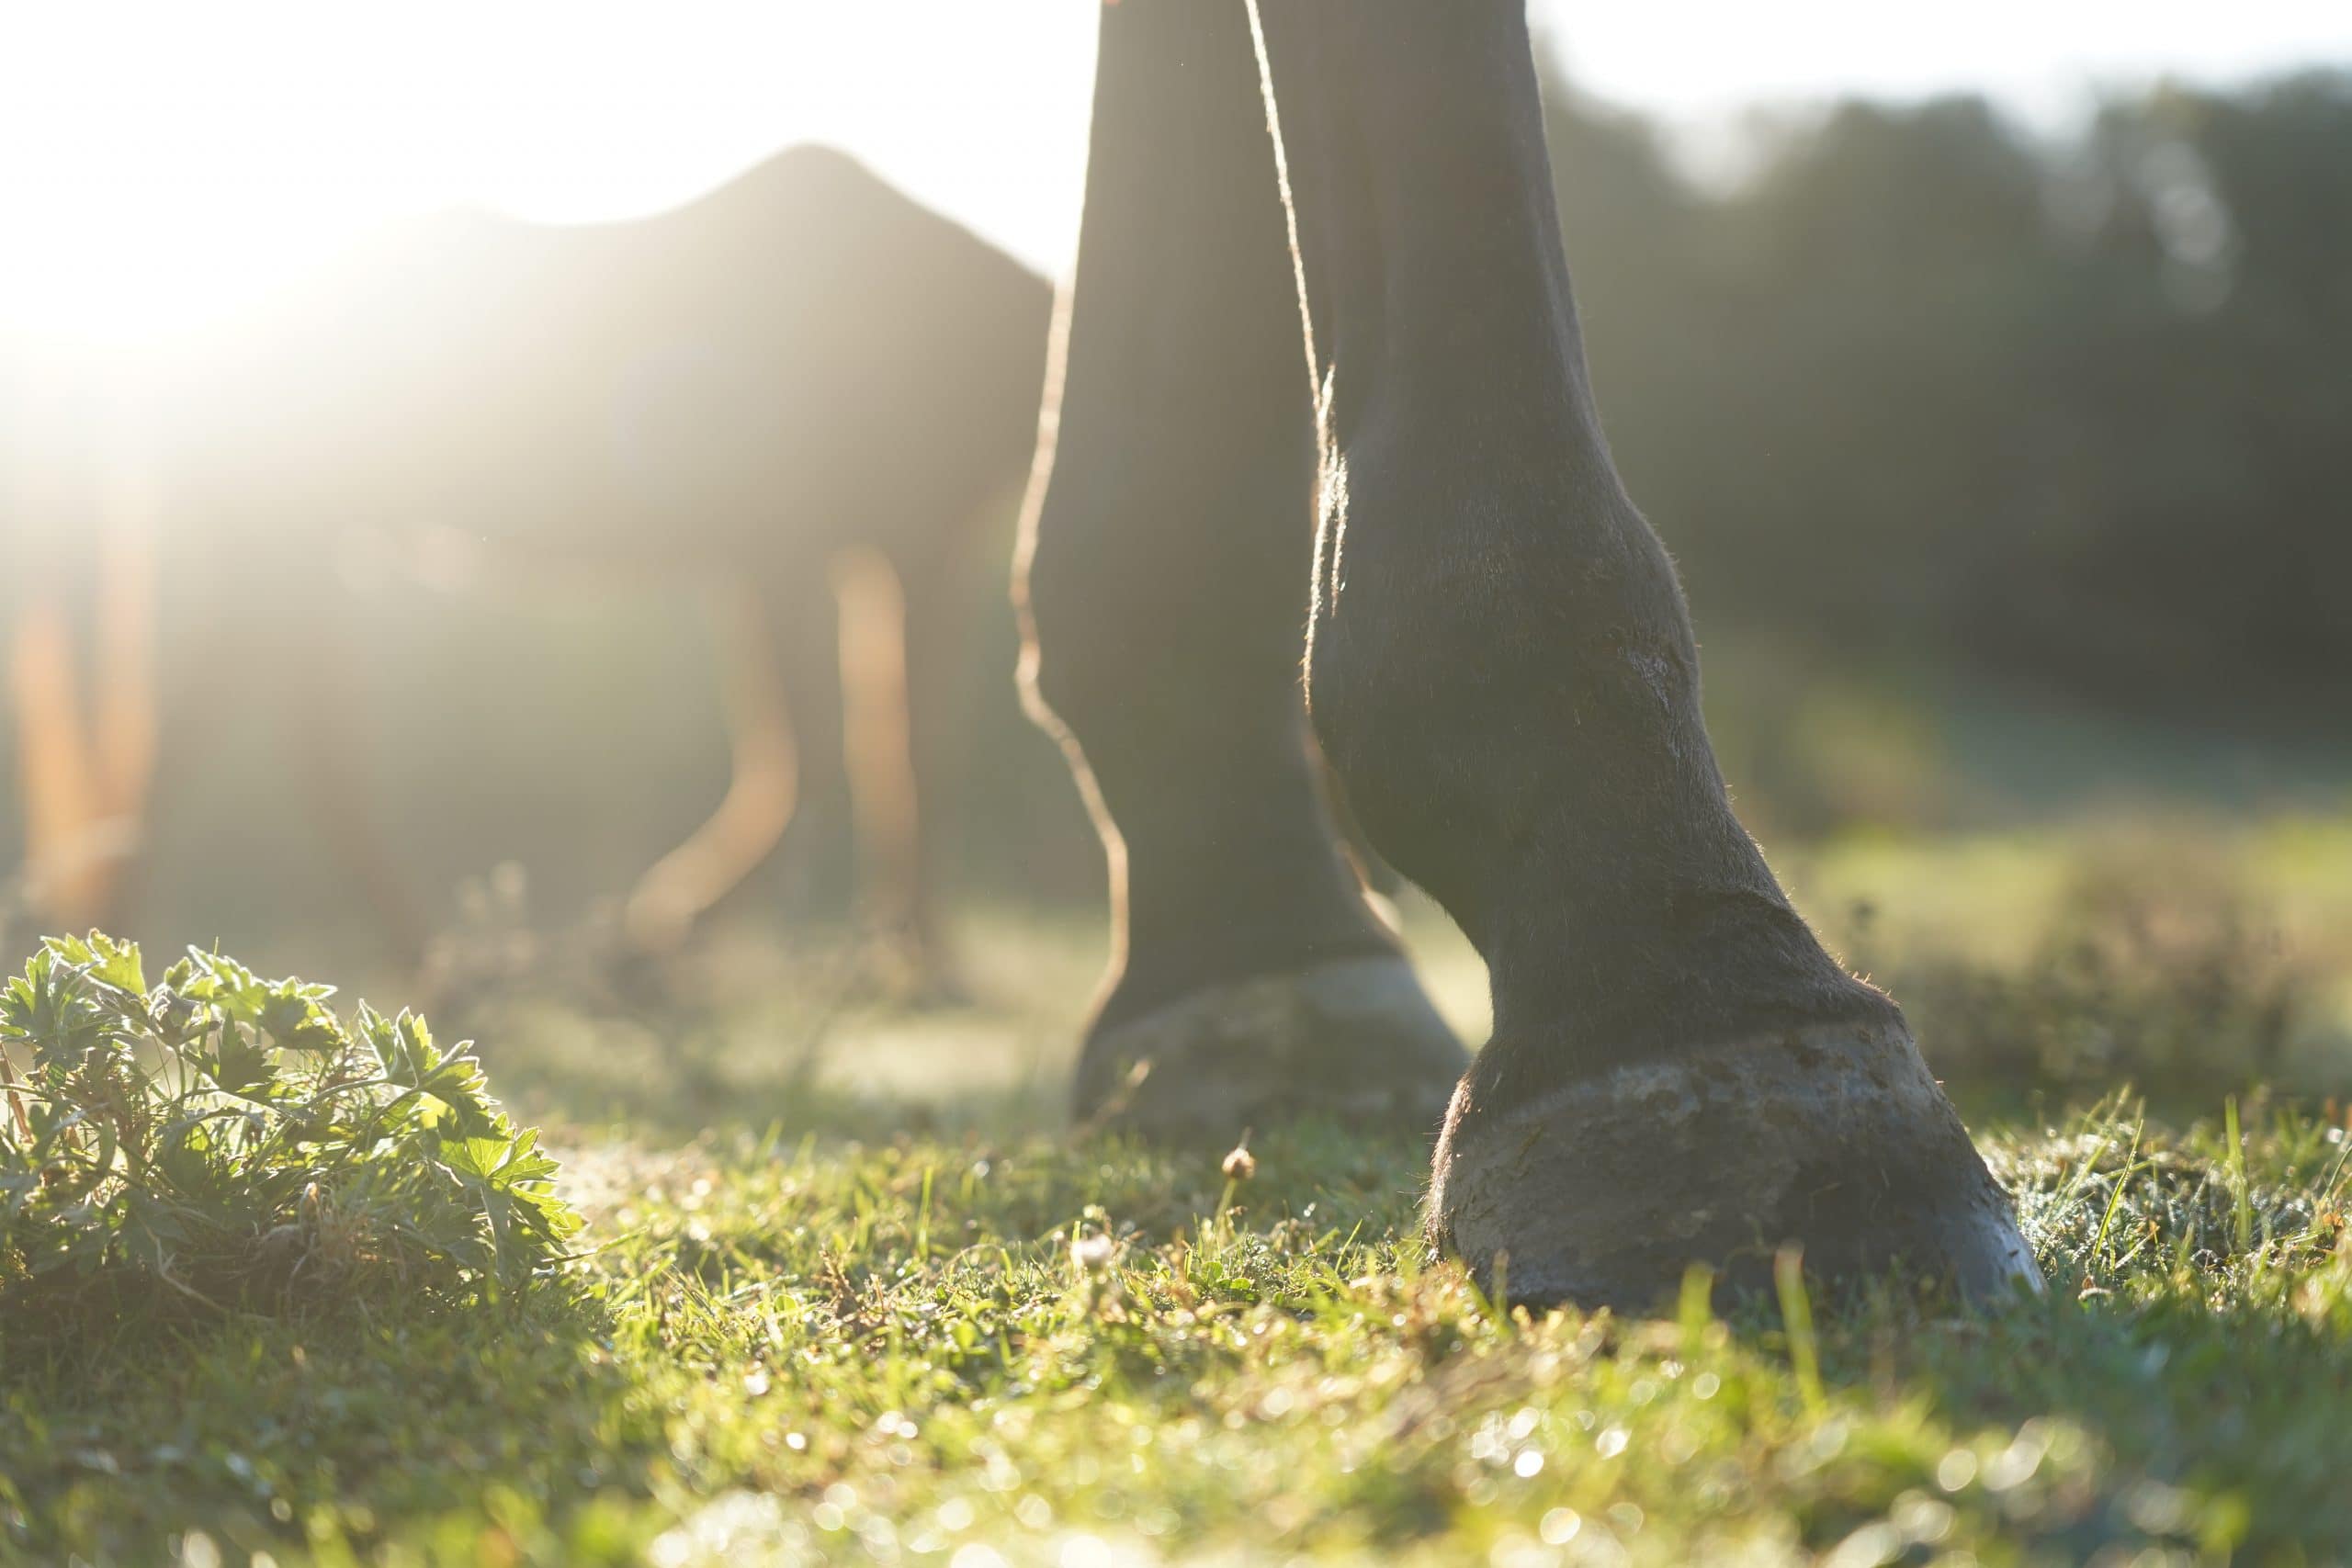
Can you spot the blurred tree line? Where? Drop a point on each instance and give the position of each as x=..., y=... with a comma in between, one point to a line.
x=1925, y=390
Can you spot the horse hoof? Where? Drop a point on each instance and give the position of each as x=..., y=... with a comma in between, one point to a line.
x=1354, y=1040
x=1834, y=1139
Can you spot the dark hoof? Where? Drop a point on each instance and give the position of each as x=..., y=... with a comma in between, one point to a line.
x=1834, y=1139
x=1354, y=1040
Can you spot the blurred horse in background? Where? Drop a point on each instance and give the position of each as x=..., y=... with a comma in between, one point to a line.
x=804, y=392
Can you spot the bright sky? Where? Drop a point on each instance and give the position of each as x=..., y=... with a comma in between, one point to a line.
x=160, y=158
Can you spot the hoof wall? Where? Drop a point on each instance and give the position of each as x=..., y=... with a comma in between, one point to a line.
x=1354, y=1040
x=1835, y=1140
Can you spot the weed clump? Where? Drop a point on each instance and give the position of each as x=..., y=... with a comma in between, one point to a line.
x=218, y=1142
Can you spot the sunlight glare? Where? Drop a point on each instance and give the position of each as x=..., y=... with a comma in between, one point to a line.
x=162, y=163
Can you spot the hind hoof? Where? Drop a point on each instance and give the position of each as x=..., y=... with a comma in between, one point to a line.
x=1354, y=1040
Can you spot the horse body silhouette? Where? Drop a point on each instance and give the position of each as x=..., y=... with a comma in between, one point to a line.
x=801, y=382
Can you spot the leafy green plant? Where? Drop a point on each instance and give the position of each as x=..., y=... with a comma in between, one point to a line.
x=222, y=1141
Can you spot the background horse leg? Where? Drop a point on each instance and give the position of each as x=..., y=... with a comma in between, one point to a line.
x=761, y=794
x=86, y=758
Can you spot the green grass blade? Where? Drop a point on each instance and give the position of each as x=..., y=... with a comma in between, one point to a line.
x=1796, y=1316
x=2243, y=1200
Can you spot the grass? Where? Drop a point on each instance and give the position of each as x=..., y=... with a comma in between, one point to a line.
x=822, y=1318
x=918, y=1351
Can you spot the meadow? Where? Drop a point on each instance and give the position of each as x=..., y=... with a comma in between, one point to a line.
x=851, y=1291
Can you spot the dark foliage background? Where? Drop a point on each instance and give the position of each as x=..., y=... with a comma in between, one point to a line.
x=1925, y=389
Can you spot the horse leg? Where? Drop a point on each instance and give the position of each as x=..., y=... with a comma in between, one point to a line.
x=889, y=637
x=86, y=759
x=761, y=792
x=938, y=587
x=1502, y=672
x=1162, y=583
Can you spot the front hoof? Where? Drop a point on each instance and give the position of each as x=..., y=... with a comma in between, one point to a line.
x=1834, y=1139
x=1354, y=1040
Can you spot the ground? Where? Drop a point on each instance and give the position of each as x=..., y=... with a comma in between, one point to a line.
x=850, y=1294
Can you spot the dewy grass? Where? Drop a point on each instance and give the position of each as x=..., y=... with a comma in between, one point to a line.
x=219, y=1143
x=1077, y=1352
x=969, y=1339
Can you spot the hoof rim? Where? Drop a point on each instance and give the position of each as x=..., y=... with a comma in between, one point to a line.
x=1834, y=1139
x=1354, y=1040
